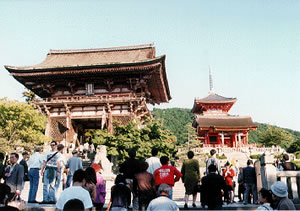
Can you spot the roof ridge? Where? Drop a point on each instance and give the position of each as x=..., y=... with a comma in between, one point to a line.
x=88, y=50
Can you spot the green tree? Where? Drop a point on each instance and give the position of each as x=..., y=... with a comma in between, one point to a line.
x=20, y=125
x=175, y=120
x=294, y=147
x=276, y=136
x=131, y=135
x=191, y=137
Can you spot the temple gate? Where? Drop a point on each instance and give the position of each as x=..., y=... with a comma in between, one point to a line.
x=90, y=88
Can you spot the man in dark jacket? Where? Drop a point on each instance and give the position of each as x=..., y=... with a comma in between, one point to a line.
x=14, y=175
x=213, y=185
x=129, y=168
x=23, y=162
x=249, y=178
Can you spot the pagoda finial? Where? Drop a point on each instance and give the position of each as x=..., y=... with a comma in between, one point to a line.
x=211, y=86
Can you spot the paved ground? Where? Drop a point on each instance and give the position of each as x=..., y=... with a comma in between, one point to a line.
x=178, y=194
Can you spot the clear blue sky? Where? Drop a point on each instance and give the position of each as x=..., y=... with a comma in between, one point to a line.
x=252, y=46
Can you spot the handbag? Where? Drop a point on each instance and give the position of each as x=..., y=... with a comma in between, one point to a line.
x=197, y=188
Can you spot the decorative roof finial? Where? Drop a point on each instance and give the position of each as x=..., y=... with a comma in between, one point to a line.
x=211, y=86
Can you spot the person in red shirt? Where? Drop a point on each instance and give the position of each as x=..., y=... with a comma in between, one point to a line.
x=166, y=173
x=228, y=175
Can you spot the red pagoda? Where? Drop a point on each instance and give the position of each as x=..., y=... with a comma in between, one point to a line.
x=215, y=127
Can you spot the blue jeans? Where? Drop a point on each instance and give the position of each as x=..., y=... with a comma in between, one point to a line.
x=69, y=180
x=33, y=176
x=57, y=183
x=251, y=186
x=49, y=186
x=171, y=194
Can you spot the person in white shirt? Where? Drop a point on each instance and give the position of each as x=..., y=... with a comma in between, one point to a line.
x=163, y=202
x=153, y=162
x=52, y=166
x=60, y=149
x=76, y=192
x=34, y=164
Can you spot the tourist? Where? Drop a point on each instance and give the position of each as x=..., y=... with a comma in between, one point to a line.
x=166, y=173
x=73, y=164
x=76, y=191
x=265, y=198
x=153, y=161
x=5, y=200
x=50, y=171
x=241, y=186
x=99, y=200
x=280, y=197
x=144, y=186
x=228, y=175
x=213, y=160
x=163, y=202
x=74, y=205
x=129, y=168
x=249, y=178
x=120, y=195
x=23, y=162
x=60, y=149
x=35, y=163
x=190, y=177
x=213, y=185
x=91, y=181
x=14, y=175
x=286, y=165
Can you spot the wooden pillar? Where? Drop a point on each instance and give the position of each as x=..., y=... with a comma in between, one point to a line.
x=222, y=138
x=48, y=125
x=110, y=120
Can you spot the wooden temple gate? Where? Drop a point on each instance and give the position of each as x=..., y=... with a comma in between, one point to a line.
x=90, y=88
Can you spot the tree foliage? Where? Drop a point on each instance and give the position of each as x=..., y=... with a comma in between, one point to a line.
x=191, y=137
x=128, y=136
x=275, y=136
x=20, y=125
x=295, y=146
x=175, y=120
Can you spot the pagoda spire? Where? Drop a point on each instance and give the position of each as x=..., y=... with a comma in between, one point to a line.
x=211, y=86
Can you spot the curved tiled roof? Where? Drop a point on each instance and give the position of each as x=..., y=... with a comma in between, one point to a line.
x=225, y=122
x=99, y=62
x=92, y=57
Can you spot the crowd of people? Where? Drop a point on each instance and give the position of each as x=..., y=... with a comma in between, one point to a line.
x=146, y=184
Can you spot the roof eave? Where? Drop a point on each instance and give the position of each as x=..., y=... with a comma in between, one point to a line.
x=12, y=69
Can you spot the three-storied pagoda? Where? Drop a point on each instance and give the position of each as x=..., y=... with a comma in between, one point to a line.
x=90, y=88
x=215, y=127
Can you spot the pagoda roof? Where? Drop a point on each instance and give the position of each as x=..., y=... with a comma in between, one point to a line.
x=215, y=98
x=227, y=122
x=224, y=103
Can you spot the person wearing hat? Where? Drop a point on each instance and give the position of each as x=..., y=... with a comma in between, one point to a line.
x=73, y=164
x=280, y=197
